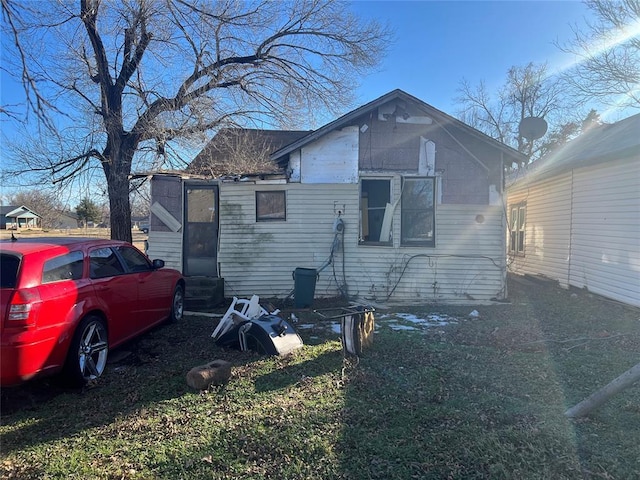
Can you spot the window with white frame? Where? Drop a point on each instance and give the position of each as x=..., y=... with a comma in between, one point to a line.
x=418, y=211
x=517, y=228
x=375, y=218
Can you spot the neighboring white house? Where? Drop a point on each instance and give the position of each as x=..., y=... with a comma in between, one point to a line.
x=395, y=200
x=575, y=214
x=18, y=217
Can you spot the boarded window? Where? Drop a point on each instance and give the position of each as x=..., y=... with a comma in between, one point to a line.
x=517, y=228
x=418, y=211
x=375, y=195
x=271, y=206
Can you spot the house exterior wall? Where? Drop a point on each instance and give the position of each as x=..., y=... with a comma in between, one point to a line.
x=332, y=159
x=547, y=229
x=166, y=246
x=163, y=242
x=466, y=264
x=605, y=245
x=467, y=173
x=583, y=229
x=260, y=257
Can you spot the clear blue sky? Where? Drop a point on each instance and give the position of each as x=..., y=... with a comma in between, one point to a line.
x=438, y=43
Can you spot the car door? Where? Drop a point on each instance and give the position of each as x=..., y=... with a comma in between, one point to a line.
x=154, y=289
x=117, y=292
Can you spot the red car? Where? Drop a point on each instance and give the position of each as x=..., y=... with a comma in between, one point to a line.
x=66, y=301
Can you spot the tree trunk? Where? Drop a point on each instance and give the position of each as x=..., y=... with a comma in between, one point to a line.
x=117, y=171
x=625, y=380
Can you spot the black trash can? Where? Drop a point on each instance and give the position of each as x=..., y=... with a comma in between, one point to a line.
x=304, y=286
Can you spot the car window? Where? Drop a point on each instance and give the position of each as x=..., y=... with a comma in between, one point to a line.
x=103, y=262
x=136, y=261
x=9, y=265
x=64, y=267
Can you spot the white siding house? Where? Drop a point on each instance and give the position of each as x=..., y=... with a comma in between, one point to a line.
x=394, y=201
x=581, y=210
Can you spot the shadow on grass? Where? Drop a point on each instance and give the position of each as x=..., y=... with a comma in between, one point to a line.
x=152, y=369
x=283, y=378
x=484, y=399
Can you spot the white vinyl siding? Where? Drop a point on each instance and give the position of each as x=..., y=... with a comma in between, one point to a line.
x=166, y=246
x=583, y=229
x=547, y=229
x=259, y=258
x=605, y=247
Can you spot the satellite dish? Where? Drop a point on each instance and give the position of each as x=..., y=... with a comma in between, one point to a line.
x=532, y=128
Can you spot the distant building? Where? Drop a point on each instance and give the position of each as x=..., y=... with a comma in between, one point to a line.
x=66, y=220
x=18, y=217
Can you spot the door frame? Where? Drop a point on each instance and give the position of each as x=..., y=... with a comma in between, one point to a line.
x=201, y=185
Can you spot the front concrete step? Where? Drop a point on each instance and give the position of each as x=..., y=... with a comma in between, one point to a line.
x=203, y=293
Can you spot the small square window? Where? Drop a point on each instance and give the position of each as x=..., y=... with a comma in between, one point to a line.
x=271, y=206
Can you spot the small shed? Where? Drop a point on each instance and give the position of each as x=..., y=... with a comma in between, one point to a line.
x=395, y=200
x=574, y=215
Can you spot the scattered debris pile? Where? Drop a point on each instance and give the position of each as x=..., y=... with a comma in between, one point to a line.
x=247, y=325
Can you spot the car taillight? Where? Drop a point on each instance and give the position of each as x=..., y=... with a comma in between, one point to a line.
x=23, y=307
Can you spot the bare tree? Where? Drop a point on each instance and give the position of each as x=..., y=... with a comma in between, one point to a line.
x=36, y=102
x=608, y=50
x=239, y=151
x=136, y=77
x=44, y=203
x=527, y=92
x=561, y=134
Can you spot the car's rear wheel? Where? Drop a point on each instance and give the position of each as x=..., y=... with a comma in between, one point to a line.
x=177, y=304
x=87, y=357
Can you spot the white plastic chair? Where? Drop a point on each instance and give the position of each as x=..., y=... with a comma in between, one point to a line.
x=243, y=309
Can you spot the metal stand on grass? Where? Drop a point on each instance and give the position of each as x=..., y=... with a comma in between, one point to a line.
x=357, y=324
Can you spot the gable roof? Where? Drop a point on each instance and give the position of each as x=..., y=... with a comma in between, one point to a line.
x=13, y=211
x=441, y=118
x=600, y=144
x=216, y=157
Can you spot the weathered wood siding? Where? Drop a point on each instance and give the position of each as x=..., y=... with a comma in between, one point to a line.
x=259, y=257
x=605, y=245
x=547, y=229
x=583, y=229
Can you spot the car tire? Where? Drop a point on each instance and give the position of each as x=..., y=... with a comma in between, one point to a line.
x=87, y=356
x=177, y=304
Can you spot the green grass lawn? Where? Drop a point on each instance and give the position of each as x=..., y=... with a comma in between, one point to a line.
x=475, y=398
